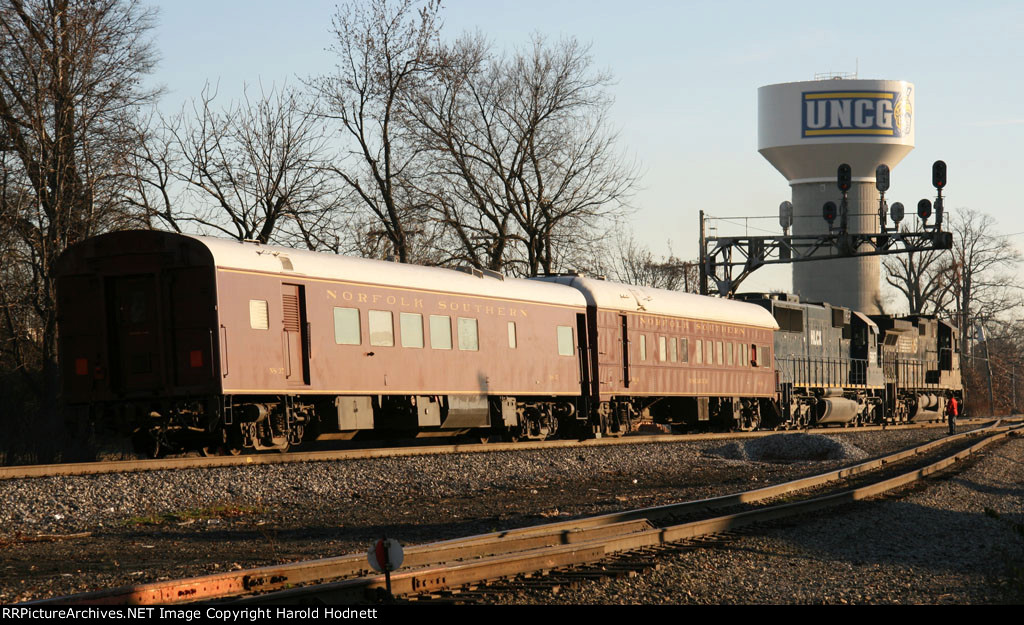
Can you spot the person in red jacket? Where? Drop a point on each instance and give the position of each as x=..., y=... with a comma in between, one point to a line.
x=952, y=410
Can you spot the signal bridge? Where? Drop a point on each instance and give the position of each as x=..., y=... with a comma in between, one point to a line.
x=726, y=261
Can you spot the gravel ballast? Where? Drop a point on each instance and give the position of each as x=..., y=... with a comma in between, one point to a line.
x=958, y=540
x=167, y=524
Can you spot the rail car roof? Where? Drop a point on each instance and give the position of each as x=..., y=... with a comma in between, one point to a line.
x=230, y=254
x=626, y=297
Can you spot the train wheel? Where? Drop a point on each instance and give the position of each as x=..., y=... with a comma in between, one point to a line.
x=211, y=451
x=513, y=434
x=749, y=423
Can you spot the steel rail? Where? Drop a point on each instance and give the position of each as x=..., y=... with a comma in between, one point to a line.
x=559, y=533
x=162, y=464
x=463, y=573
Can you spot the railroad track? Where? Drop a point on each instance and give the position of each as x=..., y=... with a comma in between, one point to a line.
x=548, y=555
x=161, y=464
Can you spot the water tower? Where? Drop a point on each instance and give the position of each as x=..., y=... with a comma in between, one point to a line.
x=806, y=130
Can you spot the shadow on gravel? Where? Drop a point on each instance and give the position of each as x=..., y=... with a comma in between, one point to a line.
x=908, y=536
x=1004, y=491
x=358, y=534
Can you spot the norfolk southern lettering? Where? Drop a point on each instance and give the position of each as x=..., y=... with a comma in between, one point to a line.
x=852, y=113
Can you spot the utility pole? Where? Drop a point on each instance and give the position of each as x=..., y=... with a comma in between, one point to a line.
x=1013, y=386
x=988, y=362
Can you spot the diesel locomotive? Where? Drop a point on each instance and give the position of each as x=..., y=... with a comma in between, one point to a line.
x=192, y=342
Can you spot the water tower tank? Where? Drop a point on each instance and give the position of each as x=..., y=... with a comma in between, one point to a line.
x=806, y=130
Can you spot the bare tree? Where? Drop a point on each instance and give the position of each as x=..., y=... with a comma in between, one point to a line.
x=384, y=50
x=634, y=263
x=922, y=278
x=456, y=118
x=152, y=161
x=255, y=170
x=70, y=84
x=972, y=282
x=998, y=354
x=981, y=272
x=525, y=166
x=573, y=175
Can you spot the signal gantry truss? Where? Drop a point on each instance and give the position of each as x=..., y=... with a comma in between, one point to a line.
x=726, y=261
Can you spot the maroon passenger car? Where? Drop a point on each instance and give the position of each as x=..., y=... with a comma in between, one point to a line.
x=677, y=357
x=195, y=341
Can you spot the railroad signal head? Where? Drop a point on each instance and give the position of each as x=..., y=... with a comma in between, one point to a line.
x=896, y=212
x=882, y=178
x=828, y=211
x=786, y=215
x=844, y=177
x=924, y=209
x=939, y=174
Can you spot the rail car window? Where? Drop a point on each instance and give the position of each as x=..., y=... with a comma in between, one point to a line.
x=729, y=349
x=763, y=361
x=661, y=349
x=700, y=352
x=753, y=355
x=412, y=329
x=643, y=347
x=672, y=354
x=565, y=346
x=259, y=314
x=469, y=340
x=709, y=356
x=440, y=332
x=718, y=352
x=684, y=350
x=346, y=326
x=382, y=330
x=512, y=334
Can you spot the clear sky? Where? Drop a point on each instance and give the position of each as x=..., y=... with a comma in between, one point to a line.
x=686, y=76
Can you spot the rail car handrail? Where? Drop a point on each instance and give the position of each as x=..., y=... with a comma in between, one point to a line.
x=911, y=372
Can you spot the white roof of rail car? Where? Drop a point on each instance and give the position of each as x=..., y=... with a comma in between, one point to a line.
x=626, y=297
x=251, y=256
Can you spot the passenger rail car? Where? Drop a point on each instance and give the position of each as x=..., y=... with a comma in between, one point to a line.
x=188, y=338
x=677, y=358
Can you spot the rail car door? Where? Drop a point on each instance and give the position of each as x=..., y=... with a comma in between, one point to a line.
x=583, y=350
x=191, y=326
x=295, y=334
x=625, y=351
x=136, y=358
